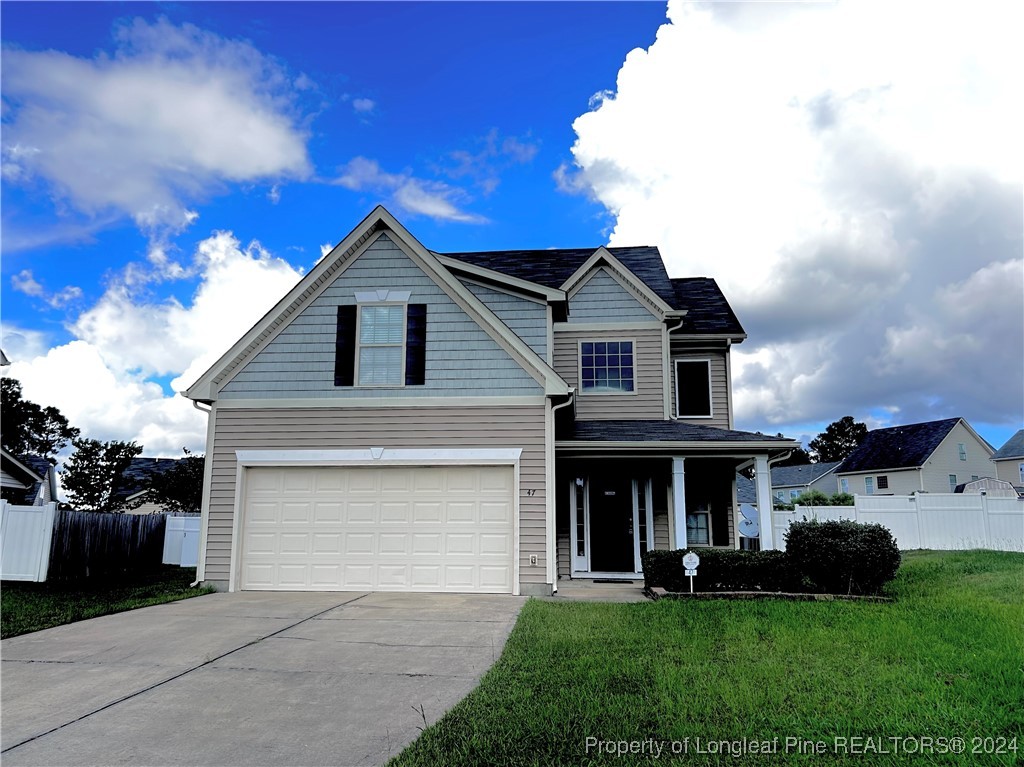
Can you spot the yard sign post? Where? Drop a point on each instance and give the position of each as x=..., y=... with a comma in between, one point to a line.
x=691, y=562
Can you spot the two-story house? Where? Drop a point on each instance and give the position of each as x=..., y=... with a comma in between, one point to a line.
x=929, y=457
x=410, y=420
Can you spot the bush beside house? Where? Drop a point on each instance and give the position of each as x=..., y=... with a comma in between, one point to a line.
x=841, y=557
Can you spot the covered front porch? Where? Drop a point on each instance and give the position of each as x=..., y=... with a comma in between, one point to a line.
x=619, y=498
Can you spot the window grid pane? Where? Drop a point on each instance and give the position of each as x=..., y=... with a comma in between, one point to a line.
x=606, y=366
x=697, y=528
x=380, y=365
x=381, y=324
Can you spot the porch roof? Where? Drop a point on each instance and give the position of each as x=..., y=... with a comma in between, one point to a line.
x=665, y=434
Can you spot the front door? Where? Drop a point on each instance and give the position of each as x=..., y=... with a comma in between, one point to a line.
x=611, y=525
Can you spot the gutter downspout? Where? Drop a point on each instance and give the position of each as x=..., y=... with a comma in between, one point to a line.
x=195, y=404
x=554, y=494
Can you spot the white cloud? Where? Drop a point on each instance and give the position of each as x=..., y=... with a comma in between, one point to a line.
x=325, y=249
x=434, y=199
x=363, y=106
x=25, y=282
x=100, y=380
x=166, y=119
x=851, y=175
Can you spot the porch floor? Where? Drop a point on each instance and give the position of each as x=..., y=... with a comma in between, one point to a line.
x=584, y=590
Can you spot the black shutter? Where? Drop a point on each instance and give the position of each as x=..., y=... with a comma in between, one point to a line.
x=345, y=347
x=415, y=344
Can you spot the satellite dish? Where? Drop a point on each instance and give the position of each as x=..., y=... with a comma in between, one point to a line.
x=749, y=511
x=749, y=528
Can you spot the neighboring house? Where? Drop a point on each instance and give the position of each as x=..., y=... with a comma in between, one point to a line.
x=931, y=457
x=27, y=480
x=136, y=481
x=1009, y=461
x=790, y=482
x=413, y=421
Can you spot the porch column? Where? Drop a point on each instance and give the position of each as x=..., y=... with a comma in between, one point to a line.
x=679, y=501
x=763, y=484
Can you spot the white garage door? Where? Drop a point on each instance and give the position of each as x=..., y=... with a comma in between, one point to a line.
x=378, y=528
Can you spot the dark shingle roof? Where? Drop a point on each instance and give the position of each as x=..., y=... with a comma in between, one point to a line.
x=1014, y=447
x=707, y=309
x=657, y=431
x=898, y=447
x=790, y=476
x=140, y=473
x=551, y=268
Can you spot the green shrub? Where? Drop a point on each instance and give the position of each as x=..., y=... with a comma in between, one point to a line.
x=720, y=570
x=841, y=499
x=813, y=498
x=842, y=557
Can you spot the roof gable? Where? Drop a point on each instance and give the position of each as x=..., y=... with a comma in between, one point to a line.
x=324, y=275
x=898, y=447
x=707, y=310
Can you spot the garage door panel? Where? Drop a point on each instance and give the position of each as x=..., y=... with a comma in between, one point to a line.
x=377, y=528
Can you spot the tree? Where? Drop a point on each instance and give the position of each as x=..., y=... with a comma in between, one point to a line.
x=180, y=488
x=839, y=439
x=94, y=474
x=798, y=457
x=29, y=428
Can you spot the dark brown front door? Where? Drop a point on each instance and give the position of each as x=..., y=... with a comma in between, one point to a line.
x=611, y=525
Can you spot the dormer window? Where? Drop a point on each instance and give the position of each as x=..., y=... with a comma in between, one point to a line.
x=381, y=343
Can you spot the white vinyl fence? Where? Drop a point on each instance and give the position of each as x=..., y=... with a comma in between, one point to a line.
x=181, y=541
x=951, y=521
x=25, y=535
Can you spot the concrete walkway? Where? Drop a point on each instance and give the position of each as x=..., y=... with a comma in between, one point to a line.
x=595, y=591
x=247, y=679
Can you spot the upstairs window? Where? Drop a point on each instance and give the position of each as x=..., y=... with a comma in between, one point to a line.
x=869, y=485
x=844, y=485
x=381, y=344
x=962, y=449
x=693, y=388
x=952, y=483
x=606, y=367
x=883, y=483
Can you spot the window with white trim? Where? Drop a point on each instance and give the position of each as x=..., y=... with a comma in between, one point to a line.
x=1020, y=470
x=698, y=527
x=381, y=338
x=844, y=485
x=794, y=494
x=952, y=483
x=883, y=483
x=869, y=485
x=606, y=367
x=693, y=389
x=962, y=450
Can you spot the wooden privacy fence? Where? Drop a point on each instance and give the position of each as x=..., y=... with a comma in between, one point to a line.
x=950, y=521
x=93, y=544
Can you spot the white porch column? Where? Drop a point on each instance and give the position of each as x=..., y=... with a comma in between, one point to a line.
x=763, y=484
x=679, y=501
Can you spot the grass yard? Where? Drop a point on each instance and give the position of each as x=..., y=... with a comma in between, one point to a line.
x=945, y=660
x=26, y=607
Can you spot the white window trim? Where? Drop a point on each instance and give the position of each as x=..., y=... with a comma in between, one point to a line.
x=675, y=390
x=360, y=345
x=374, y=456
x=878, y=482
x=869, y=485
x=844, y=485
x=962, y=450
x=698, y=512
x=579, y=368
x=953, y=483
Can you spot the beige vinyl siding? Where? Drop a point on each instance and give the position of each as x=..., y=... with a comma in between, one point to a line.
x=527, y=319
x=461, y=359
x=719, y=386
x=362, y=428
x=662, y=540
x=946, y=460
x=1008, y=470
x=646, y=403
x=902, y=482
x=603, y=299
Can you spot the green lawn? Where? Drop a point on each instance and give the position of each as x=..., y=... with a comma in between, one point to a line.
x=945, y=660
x=26, y=607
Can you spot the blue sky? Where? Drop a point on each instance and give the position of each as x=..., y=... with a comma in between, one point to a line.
x=170, y=169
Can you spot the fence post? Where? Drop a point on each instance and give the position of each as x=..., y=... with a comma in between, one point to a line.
x=989, y=543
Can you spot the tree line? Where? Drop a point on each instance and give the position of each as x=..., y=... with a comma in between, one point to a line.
x=94, y=476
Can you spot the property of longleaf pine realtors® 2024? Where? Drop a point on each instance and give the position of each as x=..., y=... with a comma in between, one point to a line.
x=853, y=745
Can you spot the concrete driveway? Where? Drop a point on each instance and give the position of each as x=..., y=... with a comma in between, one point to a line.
x=247, y=679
